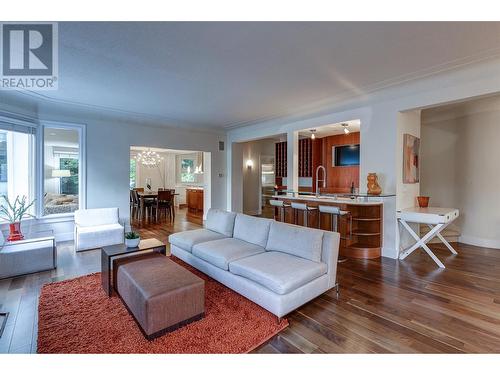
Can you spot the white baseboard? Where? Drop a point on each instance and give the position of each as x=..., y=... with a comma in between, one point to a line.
x=389, y=252
x=478, y=241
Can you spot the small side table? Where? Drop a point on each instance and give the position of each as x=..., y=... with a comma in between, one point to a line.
x=436, y=218
x=109, y=252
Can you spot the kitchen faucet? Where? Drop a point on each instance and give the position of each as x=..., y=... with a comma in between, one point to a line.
x=318, y=180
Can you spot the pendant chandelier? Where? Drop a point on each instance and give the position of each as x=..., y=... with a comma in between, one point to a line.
x=149, y=158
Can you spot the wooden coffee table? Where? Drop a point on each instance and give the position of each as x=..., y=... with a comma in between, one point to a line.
x=109, y=252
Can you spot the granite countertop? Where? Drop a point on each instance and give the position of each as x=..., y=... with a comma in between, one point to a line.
x=313, y=198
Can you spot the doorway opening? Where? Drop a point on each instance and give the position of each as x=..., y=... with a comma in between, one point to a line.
x=260, y=167
x=168, y=186
x=459, y=153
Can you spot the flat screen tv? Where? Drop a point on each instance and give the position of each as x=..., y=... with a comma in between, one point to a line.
x=344, y=156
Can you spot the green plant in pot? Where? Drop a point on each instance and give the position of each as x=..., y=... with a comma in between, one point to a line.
x=14, y=213
x=132, y=239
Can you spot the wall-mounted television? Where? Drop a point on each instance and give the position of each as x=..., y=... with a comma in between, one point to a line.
x=344, y=156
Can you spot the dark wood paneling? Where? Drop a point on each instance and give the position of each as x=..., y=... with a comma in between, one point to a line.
x=313, y=153
x=280, y=160
x=194, y=200
x=339, y=179
x=317, y=159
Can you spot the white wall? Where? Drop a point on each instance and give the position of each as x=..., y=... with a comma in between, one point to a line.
x=157, y=175
x=109, y=137
x=252, y=182
x=408, y=123
x=378, y=113
x=18, y=165
x=460, y=152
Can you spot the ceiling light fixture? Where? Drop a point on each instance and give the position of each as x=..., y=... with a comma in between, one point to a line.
x=345, y=126
x=313, y=136
x=148, y=158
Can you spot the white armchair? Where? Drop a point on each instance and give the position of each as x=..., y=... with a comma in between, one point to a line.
x=97, y=227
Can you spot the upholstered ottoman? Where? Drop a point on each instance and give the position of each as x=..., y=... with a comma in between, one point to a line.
x=161, y=295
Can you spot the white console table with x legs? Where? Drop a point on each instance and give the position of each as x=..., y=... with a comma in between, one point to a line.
x=436, y=218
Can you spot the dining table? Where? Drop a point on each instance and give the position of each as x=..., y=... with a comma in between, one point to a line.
x=151, y=194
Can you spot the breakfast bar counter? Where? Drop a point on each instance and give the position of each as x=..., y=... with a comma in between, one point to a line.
x=361, y=229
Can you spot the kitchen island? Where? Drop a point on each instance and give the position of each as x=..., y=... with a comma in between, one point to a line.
x=361, y=231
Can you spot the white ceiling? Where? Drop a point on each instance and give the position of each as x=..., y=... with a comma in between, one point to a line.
x=332, y=129
x=160, y=150
x=222, y=75
x=461, y=109
x=61, y=137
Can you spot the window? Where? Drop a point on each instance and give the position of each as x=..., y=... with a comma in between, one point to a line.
x=187, y=165
x=62, y=178
x=16, y=164
x=133, y=173
x=187, y=170
x=69, y=185
x=3, y=160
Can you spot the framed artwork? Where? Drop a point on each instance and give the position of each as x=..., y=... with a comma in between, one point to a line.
x=411, y=148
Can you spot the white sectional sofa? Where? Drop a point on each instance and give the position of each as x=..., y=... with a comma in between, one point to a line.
x=278, y=266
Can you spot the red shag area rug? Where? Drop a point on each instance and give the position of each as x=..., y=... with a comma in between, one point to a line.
x=76, y=316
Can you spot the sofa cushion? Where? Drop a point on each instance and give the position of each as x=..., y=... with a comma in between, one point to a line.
x=96, y=216
x=222, y=252
x=98, y=236
x=220, y=221
x=299, y=241
x=186, y=240
x=251, y=229
x=277, y=271
x=100, y=228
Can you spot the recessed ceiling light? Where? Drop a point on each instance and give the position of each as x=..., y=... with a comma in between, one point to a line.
x=313, y=136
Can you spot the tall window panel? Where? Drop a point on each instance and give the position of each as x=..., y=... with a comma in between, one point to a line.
x=133, y=173
x=61, y=170
x=16, y=165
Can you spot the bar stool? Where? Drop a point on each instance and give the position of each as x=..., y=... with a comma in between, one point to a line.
x=335, y=213
x=282, y=206
x=305, y=209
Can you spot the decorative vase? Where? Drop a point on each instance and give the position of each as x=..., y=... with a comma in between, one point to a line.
x=423, y=201
x=372, y=184
x=134, y=242
x=15, y=232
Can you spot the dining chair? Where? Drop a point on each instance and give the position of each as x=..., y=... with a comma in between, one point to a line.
x=164, y=201
x=137, y=205
x=131, y=202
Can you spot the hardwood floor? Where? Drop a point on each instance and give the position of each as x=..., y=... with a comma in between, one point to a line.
x=385, y=306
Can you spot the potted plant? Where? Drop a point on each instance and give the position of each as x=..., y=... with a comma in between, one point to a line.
x=132, y=239
x=14, y=213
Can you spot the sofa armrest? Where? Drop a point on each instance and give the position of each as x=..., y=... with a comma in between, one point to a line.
x=330, y=255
